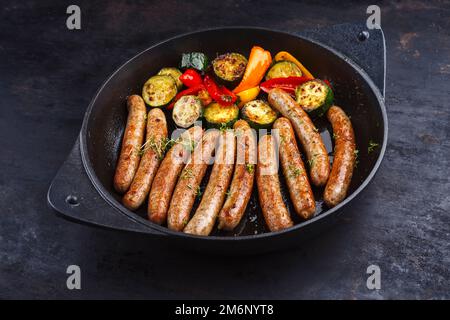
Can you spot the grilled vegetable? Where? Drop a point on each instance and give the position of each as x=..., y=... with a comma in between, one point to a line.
x=159, y=90
x=204, y=97
x=259, y=114
x=187, y=92
x=315, y=97
x=186, y=111
x=288, y=84
x=196, y=60
x=191, y=78
x=229, y=66
x=220, y=94
x=283, y=55
x=219, y=116
x=283, y=69
x=174, y=73
x=247, y=95
x=258, y=63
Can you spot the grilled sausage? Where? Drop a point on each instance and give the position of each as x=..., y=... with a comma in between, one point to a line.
x=168, y=172
x=205, y=216
x=189, y=182
x=243, y=178
x=344, y=157
x=294, y=170
x=270, y=198
x=307, y=133
x=153, y=151
x=131, y=143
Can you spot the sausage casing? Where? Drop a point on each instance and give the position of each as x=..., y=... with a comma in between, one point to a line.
x=189, y=182
x=344, y=157
x=168, y=172
x=152, y=153
x=131, y=143
x=307, y=133
x=294, y=170
x=205, y=216
x=243, y=177
x=271, y=201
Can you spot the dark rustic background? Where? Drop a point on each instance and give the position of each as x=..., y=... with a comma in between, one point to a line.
x=48, y=74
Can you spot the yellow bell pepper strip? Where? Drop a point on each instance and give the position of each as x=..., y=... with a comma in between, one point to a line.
x=283, y=55
x=258, y=63
x=247, y=95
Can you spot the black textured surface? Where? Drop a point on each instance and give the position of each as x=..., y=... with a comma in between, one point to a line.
x=49, y=74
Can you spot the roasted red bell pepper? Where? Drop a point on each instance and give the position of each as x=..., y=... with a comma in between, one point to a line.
x=191, y=78
x=220, y=94
x=288, y=84
x=189, y=91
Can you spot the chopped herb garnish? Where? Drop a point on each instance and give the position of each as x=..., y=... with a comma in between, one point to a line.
x=169, y=143
x=294, y=171
x=158, y=146
x=356, y=152
x=186, y=174
x=312, y=161
x=250, y=168
x=198, y=192
x=223, y=127
x=372, y=146
x=335, y=136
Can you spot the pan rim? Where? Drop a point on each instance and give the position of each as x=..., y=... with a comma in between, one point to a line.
x=160, y=230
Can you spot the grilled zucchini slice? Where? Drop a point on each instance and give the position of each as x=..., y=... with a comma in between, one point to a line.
x=186, y=111
x=229, y=66
x=283, y=69
x=159, y=90
x=174, y=73
x=315, y=97
x=218, y=116
x=258, y=114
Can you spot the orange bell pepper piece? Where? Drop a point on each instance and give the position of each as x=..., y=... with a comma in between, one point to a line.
x=258, y=63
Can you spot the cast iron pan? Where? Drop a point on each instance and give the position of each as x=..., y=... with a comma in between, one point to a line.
x=350, y=56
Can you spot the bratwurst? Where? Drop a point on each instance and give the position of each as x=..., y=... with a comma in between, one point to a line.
x=131, y=143
x=294, y=170
x=168, y=172
x=152, y=153
x=243, y=177
x=188, y=184
x=205, y=216
x=269, y=190
x=344, y=157
x=307, y=133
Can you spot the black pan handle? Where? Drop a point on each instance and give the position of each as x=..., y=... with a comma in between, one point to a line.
x=366, y=47
x=73, y=195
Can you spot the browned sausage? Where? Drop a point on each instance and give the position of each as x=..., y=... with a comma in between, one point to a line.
x=307, y=133
x=244, y=175
x=344, y=157
x=131, y=143
x=294, y=170
x=269, y=192
x=205, y=216
x=189, y=182
x=153, y=151
x=168, y=172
